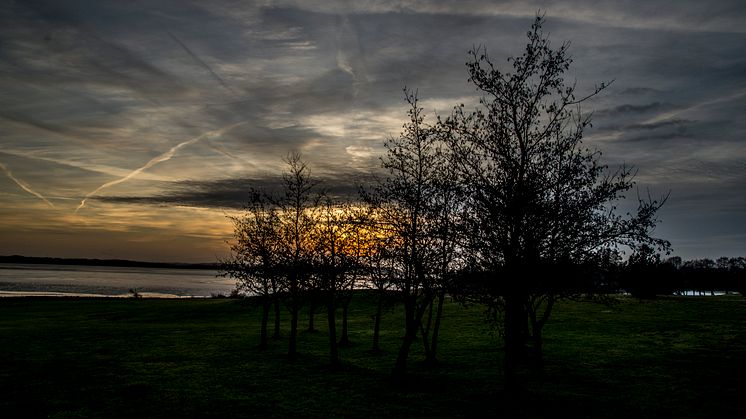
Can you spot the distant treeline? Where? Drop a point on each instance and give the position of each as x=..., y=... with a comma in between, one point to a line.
x=647, y=275
x=103, y=262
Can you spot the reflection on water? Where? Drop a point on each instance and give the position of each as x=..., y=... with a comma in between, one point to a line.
x=21, y=279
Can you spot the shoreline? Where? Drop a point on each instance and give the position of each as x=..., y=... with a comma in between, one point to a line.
x=62, y=295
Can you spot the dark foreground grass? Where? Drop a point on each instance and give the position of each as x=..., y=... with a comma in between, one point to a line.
x=671, y=357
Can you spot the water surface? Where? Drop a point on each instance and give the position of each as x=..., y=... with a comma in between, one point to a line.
x=71, y=280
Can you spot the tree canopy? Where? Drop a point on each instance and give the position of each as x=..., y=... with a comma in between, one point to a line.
x=536, y=199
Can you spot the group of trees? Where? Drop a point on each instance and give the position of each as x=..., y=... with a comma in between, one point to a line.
x=305, y=248
x=646, y=274
x=502, y=205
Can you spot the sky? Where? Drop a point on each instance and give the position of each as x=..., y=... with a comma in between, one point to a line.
x=132, y=129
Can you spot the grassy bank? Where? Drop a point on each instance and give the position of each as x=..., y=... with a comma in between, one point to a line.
x=673, y=357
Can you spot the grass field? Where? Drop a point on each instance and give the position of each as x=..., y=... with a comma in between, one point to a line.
x=671, y=357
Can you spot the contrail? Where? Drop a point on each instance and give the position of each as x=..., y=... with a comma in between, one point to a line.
x=226, y=153
x=163, y=157
x=668, y=116
x=202, y=63
x=24, y=186
x=221, y=150
x=347, y=38
x=674, y=113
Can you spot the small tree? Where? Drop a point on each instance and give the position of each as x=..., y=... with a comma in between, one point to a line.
x=447, y=258
x=331, y=264
x=296, y=209
x=406, y=204
x=254, y=262
x=357, y=247
x=381, y=269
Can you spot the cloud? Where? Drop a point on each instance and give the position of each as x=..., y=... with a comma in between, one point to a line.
x=92, y=89
x=201, y=62
x=635, y=91
x=234, y=193
x=156, y=160
x=360, y=152
x=630, y=109
x=676, y=123
x=688, y=15
x=730, y=97
x=23, y=185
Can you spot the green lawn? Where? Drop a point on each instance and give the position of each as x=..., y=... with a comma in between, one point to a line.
x=671, y=357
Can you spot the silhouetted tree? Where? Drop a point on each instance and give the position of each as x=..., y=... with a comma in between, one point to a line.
x=331, y=264
x=358, y=244
x=536, y=198
x=724, y=273
x=405, y=204
x=699, y=274
x=297, y=208
x=737, y=275
x=341, y=243
x=380, y=265
x=646, y=275
x=674, y=261
x=444, y=219
x=312, y=291
x=707, y=275
x=254, y=261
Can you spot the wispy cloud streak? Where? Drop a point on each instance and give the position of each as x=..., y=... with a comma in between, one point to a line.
x=23, y=185
x=670, y=115
x=347, y=39
x=196, y=58
x=159, y=159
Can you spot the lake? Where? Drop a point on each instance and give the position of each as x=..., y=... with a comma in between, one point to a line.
x=109, y=281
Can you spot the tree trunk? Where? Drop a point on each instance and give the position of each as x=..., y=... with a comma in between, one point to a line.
x=410, y=334
x=294, y=308
x=514, y=340
x=431, y=357
x=311, y=312
x=344, y=339
x=425, y=330
x=537, y=325
x=400, y=368
x=332, y=322
x=265, y=319
x=276, y=334
x=377, y=324
x=538, y=358
x=292, y=349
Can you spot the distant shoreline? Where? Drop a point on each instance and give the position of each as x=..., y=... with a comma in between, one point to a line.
x=104, y=262
x=86, y=296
